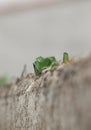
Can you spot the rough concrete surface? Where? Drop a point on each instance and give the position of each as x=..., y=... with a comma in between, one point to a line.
x=60, y=99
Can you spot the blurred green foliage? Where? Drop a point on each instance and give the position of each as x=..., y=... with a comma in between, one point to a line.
x=3, y=80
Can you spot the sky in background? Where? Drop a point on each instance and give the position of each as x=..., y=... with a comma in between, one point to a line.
x=20, y=1
x=47, y=31
x=6, y=1
x=14, y=5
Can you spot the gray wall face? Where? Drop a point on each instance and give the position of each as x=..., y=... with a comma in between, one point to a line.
x=45, y=31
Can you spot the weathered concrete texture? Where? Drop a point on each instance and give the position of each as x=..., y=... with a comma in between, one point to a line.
x=59, y=100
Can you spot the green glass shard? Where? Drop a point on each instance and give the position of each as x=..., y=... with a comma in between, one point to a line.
x=39, y=59
x=65, y=57
x=43, y=63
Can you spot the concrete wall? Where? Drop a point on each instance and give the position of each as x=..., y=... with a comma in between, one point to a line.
x=59, y=99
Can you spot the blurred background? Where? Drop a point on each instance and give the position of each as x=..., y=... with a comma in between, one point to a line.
x=32, y=28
